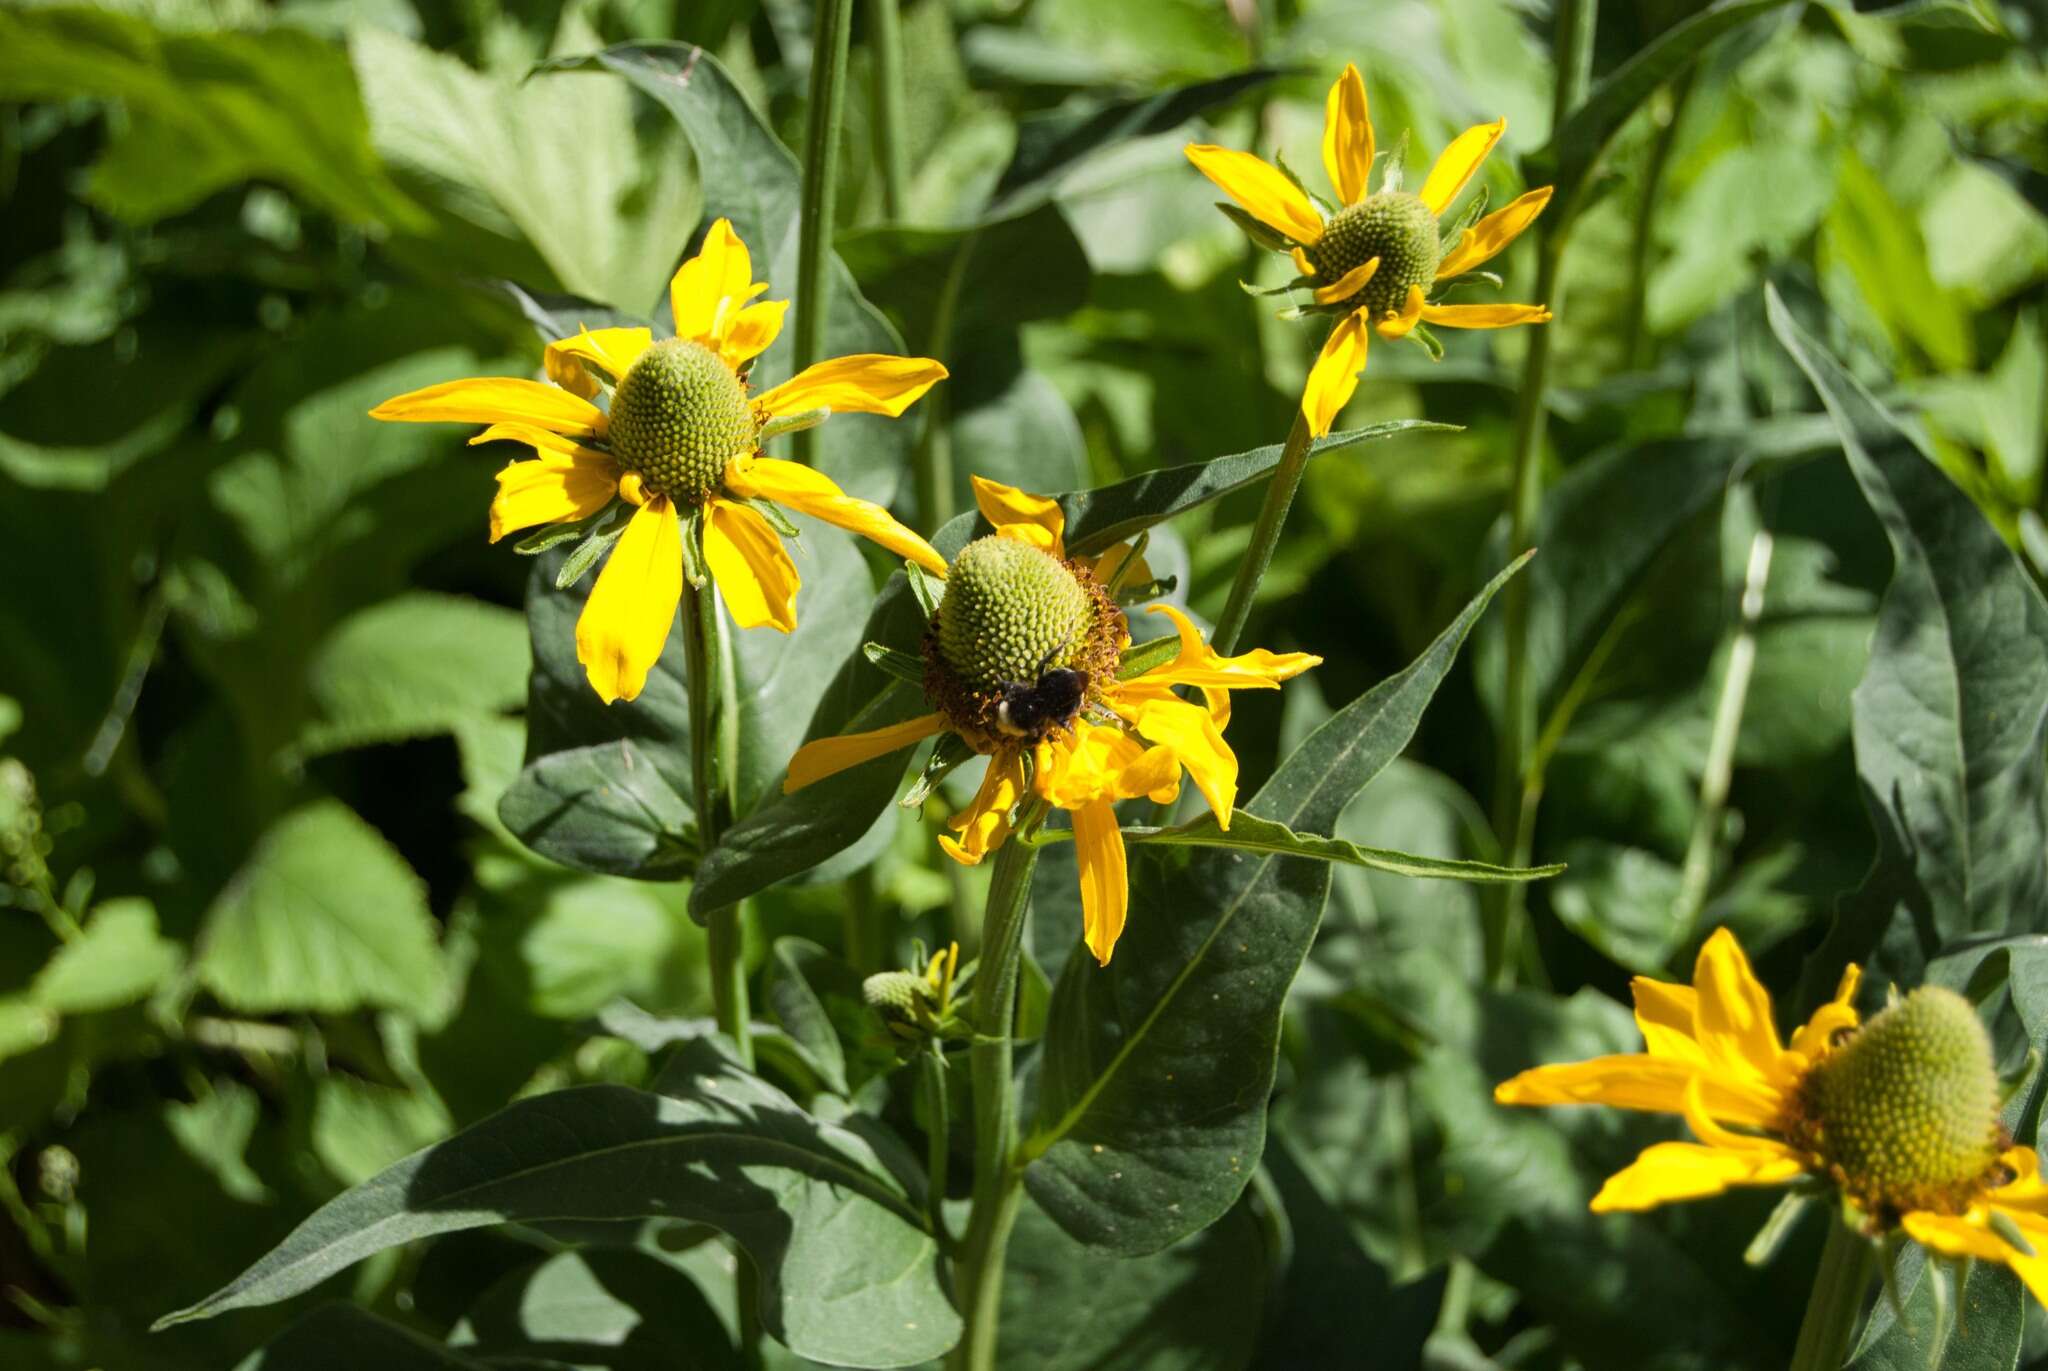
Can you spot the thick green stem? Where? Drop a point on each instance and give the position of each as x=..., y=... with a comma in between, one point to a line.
x=1280, y=492
x=932, y=1069
x=831, y=37
x=713, y=740
x=998, y=1180
x=885, y=45
x=932, y=462
x=1846, y=1264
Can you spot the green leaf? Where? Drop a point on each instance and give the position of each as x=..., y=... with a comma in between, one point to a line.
x=120, y=960
x=1986, y=1320
x=848, y=1273
x=323, y=916
x=205, y=111
x=617, y=809
x=1951, y=715
x=24, y=1026
x=1250, y=833
x=1152, y=1094
x=618, y=1308
x=1016, y=270
x=342, y=1337
x=800, y=1010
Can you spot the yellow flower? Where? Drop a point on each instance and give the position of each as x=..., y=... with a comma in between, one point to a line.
x=1900, y=1114
x=1377, y=258
x=680, y=434
x=1119, y=739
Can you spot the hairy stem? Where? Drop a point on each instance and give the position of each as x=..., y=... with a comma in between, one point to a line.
x=1280, y=492
x=714, y=740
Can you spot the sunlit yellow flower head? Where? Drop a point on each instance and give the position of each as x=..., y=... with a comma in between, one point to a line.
x=679, y=442
x=1900, y=1113
x=1018, y=611
x=1375, y=259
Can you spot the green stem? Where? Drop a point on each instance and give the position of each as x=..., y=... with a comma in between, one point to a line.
x=885, y=44
x=998, y=1180
x=932, y=463
x=932, y=1066
x=1280, y=491
x=831, y=37
x=1646, y=216
x=712, y=740
x=1831, y=1310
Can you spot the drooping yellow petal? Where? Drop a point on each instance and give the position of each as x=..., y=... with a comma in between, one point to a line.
x=1335, y=374
x=810, y=491
x=865, y=383
x=1635, y=1081
x=1105, y=883
x=1198, y=664
x=1971, y=1235
x=1485, y=316
x=1480, y=243
x=1400, y=324
x=552, y=490
x=1301, y=262
x=751, y=331
x=613, y=349
x=631, y=608
x=1734, y=1021
x=1349, y=284
x=1347, y=137
x=1006, y=507
x=539, y=439
x=1815, y=1038
x=709, y=289
x=496, y=400
x=985, y=823
x=822, y=757
x=1190, y=732
x=745, y=556
x=1688, y=1171
x=1262, y=189
x=1456, y=163
x=1102, y=762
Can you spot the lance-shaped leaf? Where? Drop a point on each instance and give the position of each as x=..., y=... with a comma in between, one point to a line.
x=1950, y=718
x=341, y=1337
x=848, y=1271
x=1152, y=1093
x=1250, y=833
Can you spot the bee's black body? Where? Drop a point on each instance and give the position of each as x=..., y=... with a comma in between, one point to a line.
x=1030, y=708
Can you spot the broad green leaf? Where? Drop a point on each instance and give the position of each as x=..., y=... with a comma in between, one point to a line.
x=1250, y=833
x=323, y=916
x=1952, y=712
x=618, y=1308
x=360, y=1127
x=204, y=111
x=24, y=1026
x=848, y=1273
x=342, y=1337
x=799, y=1007
x=1986, y=1320
x=618, y=809
x=1015, y=271
x=120, y=960
x=417, y=664
x=1152, y=1094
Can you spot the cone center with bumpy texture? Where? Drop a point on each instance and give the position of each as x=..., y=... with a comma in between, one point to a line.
x=1393, y=226
x=1907, y=1110
x=678, y=416
x=1010, y=609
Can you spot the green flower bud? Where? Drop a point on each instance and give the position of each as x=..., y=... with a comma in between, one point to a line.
x=1010, y=610
x=1905, y=1114
x=897, y=995
x=1393, y=226
x=678, y=416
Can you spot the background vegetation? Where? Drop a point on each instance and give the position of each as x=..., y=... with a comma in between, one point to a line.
x=264, y=928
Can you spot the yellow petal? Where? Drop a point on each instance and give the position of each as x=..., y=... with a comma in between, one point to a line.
x=1456, y=163
x=1263, y=190
x=1335, y=374
x=1815, y=1038
x=1485, y=316
x=1349, y=284
x=1689, y=1171
x=1105, y=883
x=1110, y=566
x=1635, y=1081
x=552, y=490
x=1479, y=244
x=751, y=331
x=745, y=556
x=539, y=439
x=497, y=399
x=812, y=492
x=1100, y=762
x=613, y=349
x=1347, y=137
x=1301, y=262
x=1190, y=732
x=709, y=289
x=1399, y=325
x=822, y=757
x=985, y=823
x=1199, y=664
x=1008, y=507
x=865, y=383
x=1734, y=1021
x=632, y=606
x=1666, y=1014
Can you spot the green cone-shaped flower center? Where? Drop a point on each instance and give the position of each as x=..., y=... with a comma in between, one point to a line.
x=1907, y=1111
x=1393, y=226
x=678, y=416
x=1008, y=610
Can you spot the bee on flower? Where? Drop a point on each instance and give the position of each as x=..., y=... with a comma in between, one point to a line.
x=1380, y=261
x=1900, y=1114
x=1024, y=663
x=669, y=473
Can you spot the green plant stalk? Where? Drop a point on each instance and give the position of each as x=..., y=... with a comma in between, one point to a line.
x=998, y=1179
x=831, y=38
x=885, y=45
x=932, y=462
x=1831, y=1310
x=932, y=1072
x=1280, y=492
x=1634, y=341
x=709, y=734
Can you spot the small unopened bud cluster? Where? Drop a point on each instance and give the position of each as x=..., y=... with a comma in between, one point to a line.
x=916, y=1006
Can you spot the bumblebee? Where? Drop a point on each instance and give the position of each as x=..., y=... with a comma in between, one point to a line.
x=1031, y=709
